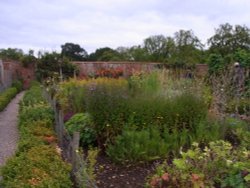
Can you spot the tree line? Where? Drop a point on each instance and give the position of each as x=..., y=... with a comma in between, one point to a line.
x=228, y=44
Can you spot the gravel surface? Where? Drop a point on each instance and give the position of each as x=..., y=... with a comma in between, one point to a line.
x=9, y=130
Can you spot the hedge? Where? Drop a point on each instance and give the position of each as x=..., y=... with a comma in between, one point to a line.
x=37, y=163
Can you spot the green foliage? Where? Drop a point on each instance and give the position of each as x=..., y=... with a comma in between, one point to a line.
x=29, y=59
x=52, y=63
x=136, y=146
x=38, y=111
x=36, y=168
x=33, y=95
x=6, y=96
x=18, y=85
x=144, y=83
x=11, y=54
x=236, y=132
x=154, y=143
x=105, y=54
x=227, y=39
x=86, y=172
x=216, y=63
x=218, y=165
x=81, y=122
x=241, y=106
x=73, y=52
x=36, y=159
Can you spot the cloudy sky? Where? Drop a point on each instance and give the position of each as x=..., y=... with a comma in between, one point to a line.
x=46, y=24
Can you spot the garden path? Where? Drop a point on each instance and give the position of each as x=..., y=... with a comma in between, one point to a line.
x=8, y=129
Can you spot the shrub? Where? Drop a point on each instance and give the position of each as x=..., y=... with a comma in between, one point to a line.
x=241, y=106
x=82, y=123
x=33, y=96
x=36, y=168
x=136, y=146
x=18, y=85
x=219, y=165
x=6, y=96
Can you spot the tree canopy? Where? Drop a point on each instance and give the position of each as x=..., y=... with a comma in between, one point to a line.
x=73, y=52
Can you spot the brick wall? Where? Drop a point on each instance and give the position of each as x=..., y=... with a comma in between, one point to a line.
x=93, y=68
x=13, y=70
x=127, y=68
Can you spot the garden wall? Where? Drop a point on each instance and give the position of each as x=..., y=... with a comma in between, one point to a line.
x=13, y=70
x=126, y=68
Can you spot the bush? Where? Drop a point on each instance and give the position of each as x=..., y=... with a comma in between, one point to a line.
x=36, y=168
x=36, y=159
x=18, y=85
x=136, y=146
x=82, y=123
x=242, y=106
x=219, y=165
x=6, y=96
x=33, y=96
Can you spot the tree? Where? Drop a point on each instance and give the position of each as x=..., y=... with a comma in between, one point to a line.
x=29, y=59
x=73, y=52
x=105, y=54
x=50, y=64
x=227, y=39
x=11, y=54
x=188, y=49
x=156, y=47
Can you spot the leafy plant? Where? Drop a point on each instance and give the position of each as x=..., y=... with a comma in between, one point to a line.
x=85, y=173
x=217, y=165
x=136, y=146
x=82, y=123
x=6, y=96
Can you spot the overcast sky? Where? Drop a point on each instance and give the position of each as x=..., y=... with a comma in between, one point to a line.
x=46, y=24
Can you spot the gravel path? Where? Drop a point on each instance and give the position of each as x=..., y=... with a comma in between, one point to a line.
x=8, y=129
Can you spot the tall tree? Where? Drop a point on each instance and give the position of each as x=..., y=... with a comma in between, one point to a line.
x=73, y=52
x=227, y=39
x=156, y=47
x=188, y=48
x=51, y=64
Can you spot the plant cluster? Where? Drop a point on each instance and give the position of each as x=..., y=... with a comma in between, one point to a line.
x=145, y=108
x=37, y=158
x=82, y=123
x=7, y=95
x=217, y=165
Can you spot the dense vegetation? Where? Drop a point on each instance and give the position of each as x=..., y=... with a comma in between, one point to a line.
x=10, y=93
x=197, y=128
x=37, y=162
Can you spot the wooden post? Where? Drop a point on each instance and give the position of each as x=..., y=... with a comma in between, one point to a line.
x=75, y=150
x=60, y=127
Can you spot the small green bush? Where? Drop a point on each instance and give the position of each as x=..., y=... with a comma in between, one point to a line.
x=241, y=106
x=82, y=123
x=33, y=96
x=136, y=146
x=6, y=96
x=18, y=85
